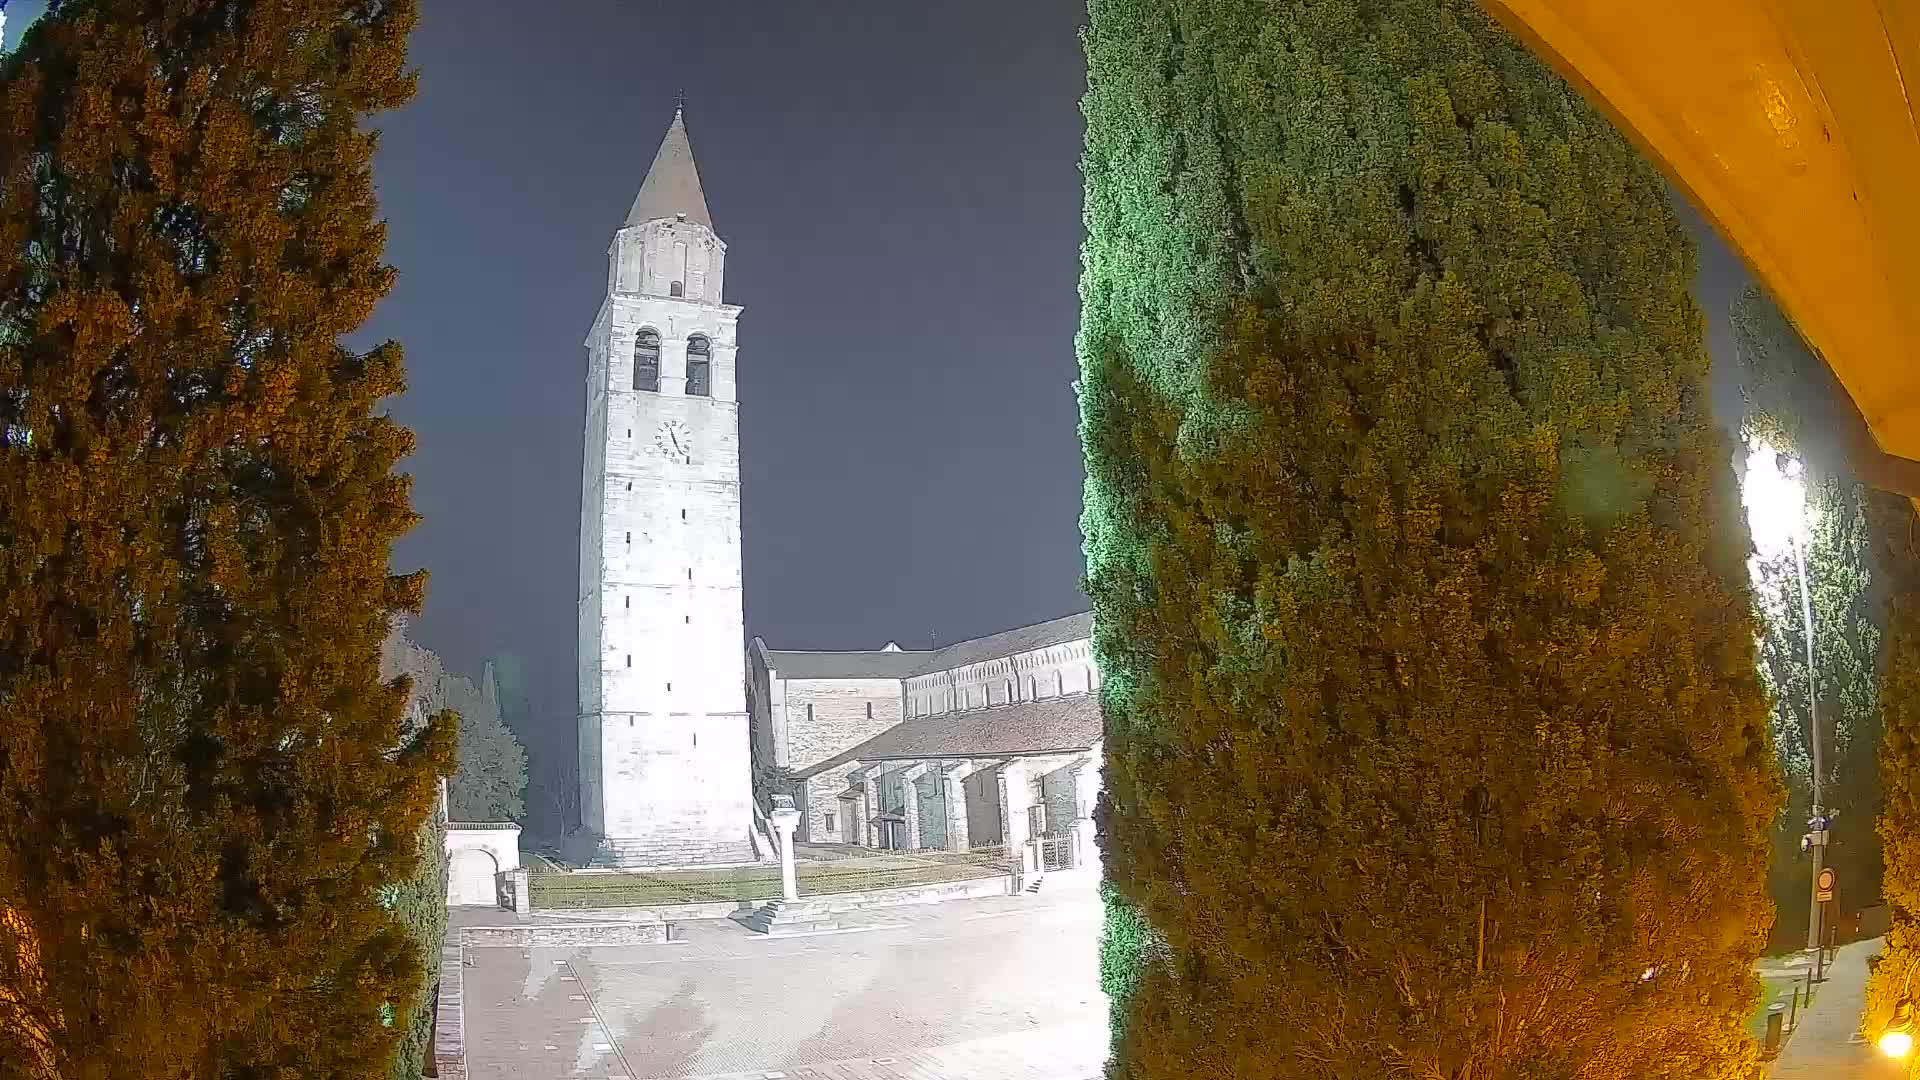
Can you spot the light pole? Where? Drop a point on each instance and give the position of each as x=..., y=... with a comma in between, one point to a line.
x=1817, y=822
x=1773, y=488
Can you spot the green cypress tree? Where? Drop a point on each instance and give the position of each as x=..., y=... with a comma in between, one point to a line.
x=204, y=790
x=1434, y=741
x=1895, y=979
x=1776, y=376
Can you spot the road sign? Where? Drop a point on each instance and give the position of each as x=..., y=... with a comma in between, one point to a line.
x=1823, y=885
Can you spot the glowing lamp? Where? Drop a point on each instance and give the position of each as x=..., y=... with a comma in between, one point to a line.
x=1897, y=1040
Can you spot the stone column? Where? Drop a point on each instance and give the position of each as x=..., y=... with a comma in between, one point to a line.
x=1086, y=781
x=954, y=797
x=785, y=820
x=870, y=810
x=1015, y=797
x=522, y=896
x=909, y=787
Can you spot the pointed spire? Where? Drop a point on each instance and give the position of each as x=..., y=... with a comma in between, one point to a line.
x=673, y=184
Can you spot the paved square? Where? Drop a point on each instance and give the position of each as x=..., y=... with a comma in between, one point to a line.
x=1005, y=988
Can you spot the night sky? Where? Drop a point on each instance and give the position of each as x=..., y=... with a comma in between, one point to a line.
x=898, y=187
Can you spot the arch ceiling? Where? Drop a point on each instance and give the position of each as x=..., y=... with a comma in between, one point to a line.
x=1790, y=126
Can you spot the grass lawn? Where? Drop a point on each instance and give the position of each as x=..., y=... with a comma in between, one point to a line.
x=578, y=890
x=1774, y=988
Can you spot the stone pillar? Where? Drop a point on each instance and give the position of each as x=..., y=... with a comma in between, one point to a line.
x=870, y=812
x=785, y=820
x=954, y=797
x=517, y=879
x=1015, y=796
x=909, y=786
x=1086, y=780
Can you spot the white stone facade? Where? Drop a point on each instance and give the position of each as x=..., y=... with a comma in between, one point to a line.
x=811, y=708
x=665, y=764
x=477, y=856
x=1033, y=675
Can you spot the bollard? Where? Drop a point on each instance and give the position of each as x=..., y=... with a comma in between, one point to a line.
x=1793, y=1015
x=1776, y=1021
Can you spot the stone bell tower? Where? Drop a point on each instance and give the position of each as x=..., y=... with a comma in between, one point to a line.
x=664, y=765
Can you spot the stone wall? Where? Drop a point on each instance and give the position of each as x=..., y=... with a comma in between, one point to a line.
x=565, y=934
x=1067, y=668
x=665, y=754
x=826, y=717
x=477, y=854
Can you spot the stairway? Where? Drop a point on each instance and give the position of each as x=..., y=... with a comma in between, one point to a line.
x=778, y=918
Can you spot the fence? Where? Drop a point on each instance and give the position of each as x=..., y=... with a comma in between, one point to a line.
x=822, y=869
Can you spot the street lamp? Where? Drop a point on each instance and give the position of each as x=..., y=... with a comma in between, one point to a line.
x=1897, y=1040
x=1775, y=494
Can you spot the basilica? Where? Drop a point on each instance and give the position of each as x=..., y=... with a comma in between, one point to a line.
x=685, y=737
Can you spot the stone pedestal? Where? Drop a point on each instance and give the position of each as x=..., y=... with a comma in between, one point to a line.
x=785, y=820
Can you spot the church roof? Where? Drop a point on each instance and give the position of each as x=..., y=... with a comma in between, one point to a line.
x=672, y=185
x=1049, y=725
x=853, y=664
x=1021, y=639
x=896, y=663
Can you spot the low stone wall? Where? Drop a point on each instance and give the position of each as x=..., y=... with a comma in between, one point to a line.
x=911, y=894
x=449, y=1022
x=717, y=909
x=567, y=934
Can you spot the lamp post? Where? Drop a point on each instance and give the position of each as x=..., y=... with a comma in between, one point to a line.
x=1817, y=819
x=1896, y=1039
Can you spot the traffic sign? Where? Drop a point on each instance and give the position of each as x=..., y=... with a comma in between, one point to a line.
x=1823, y=885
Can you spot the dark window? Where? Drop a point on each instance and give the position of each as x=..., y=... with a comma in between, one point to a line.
x=676, y=289
x=829, y=816
x=699, y=368
x=646, y=361
x=869, y=710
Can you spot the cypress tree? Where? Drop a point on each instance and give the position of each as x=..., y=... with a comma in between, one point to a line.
x=1434, y=741
x=204, y=788
x=1775, y=366
x=1895, y=979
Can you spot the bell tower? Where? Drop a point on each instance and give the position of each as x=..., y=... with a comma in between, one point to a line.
x=664, y=765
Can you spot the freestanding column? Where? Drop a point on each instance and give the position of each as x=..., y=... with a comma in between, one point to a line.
x=785, y=820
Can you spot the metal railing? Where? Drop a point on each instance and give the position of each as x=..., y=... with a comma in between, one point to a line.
x=821, y=869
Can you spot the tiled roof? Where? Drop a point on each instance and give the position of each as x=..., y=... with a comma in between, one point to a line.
x=862, y=664
x=1010, y=642
x=1028, y=727
x=899, y=664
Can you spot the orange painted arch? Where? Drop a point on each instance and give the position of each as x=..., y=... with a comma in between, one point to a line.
x=1790, y=125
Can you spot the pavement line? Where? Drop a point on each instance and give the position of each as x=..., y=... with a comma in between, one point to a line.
x=592, y=1003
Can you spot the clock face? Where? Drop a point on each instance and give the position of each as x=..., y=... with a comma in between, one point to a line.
x=674, y=441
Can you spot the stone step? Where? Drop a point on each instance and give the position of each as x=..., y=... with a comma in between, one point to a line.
x=777, y=918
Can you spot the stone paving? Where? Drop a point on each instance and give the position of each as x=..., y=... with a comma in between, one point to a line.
x=1001, y=987
x=1827, y=1043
